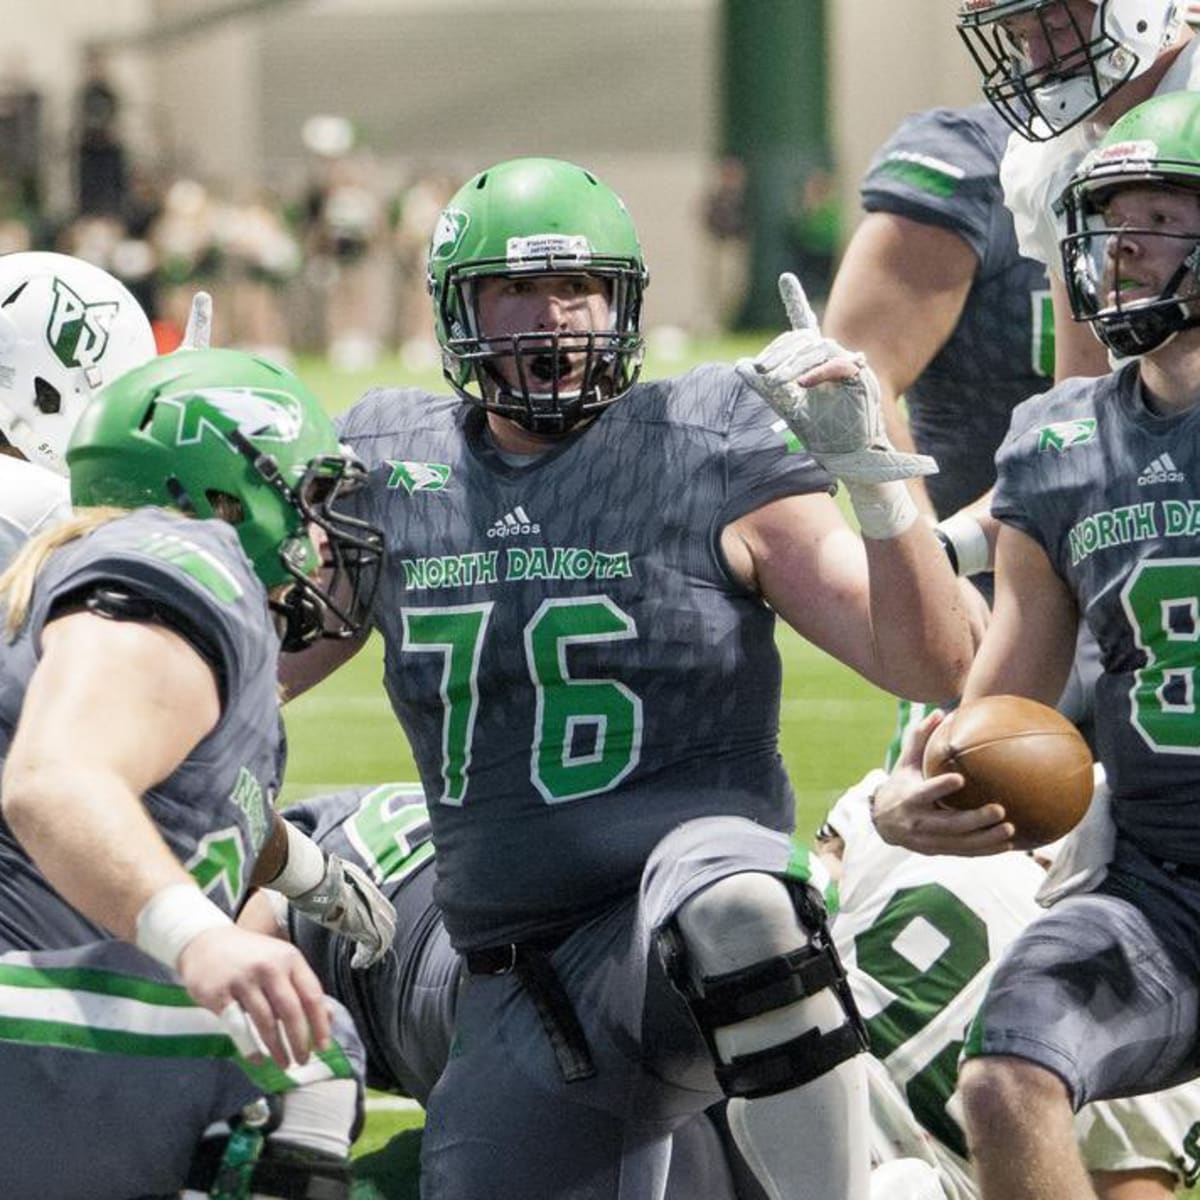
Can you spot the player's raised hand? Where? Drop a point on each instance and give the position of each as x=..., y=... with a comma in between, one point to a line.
x=266, y=995
x=198, y=334
x=829, y=397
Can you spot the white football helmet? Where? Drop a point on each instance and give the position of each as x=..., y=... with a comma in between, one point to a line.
x=1067, y=56
x=66, y=329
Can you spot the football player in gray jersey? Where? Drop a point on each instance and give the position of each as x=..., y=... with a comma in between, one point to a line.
x=141, y=746
x=578, y=614
x=1100, y=997
x=975, y=334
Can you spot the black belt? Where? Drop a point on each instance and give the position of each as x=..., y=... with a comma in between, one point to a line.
x=1188, y=871
x=530, y=963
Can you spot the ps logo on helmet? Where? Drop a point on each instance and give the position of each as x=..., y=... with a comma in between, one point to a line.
x=78, y=331
x=448, y=233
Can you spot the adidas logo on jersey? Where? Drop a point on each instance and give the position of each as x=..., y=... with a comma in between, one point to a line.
x=513, y=523
x=1161, y=470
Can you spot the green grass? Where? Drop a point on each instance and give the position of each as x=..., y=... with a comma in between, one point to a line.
x=834, y=728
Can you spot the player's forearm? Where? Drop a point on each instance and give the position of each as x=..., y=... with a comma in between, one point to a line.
x=896, y=425
x=89, y=835
x=922, y=641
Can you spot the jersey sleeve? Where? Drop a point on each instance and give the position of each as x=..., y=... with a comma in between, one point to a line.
x=192, y=573
x=939, y=168
x=764, y=459
x=1033, y=175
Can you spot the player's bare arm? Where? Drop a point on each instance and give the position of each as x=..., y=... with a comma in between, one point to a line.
x=893, y=609
x=888, y=608
x=303, y=670
x=74, y=801
x=1027, y=651
x=75, y=804
x=895, y=265
x=1030, y=642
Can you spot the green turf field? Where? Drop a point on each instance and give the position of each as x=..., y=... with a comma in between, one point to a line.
x=834, y=728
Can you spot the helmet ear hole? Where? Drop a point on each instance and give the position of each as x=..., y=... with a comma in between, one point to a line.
x=47, y=399
x=228, y=508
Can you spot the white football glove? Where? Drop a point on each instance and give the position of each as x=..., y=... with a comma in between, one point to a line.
x=347, y=902
x=839, y=421
x=198, y=334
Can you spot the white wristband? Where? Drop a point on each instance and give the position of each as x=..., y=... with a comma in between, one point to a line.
x=305, y=865
x=172, y=917
x=884, y=510
x=965, y=543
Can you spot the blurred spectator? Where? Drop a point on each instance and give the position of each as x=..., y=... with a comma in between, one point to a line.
x=260, y=256
x=20, y=136
x=726, y=222
x=417, y=209
x=815, y=231
x=345, y=238
x=188, y=254
x=101, y=181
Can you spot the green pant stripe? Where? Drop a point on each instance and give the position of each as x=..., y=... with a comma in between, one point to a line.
x=89, y=979
x=65, y=1035
x=266, y=1075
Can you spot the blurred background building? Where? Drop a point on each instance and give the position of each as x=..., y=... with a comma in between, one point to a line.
x=291, y=155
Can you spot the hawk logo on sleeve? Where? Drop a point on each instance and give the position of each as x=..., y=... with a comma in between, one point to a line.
x=78, y=331
x=1063, y=435
x=418, y=476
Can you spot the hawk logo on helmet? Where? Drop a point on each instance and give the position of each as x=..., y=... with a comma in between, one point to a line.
x=261, y=415
x=78, y=331
x=448, y=233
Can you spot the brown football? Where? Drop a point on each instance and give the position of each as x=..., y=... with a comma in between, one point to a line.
x=1018, y=753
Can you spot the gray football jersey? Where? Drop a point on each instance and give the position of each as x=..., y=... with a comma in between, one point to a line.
x=942, y=167
x=214, y=809
x=573, y=666
x=403, y=1006
x=1108, y=489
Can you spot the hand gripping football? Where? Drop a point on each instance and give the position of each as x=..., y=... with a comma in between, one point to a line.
x=1020, y=754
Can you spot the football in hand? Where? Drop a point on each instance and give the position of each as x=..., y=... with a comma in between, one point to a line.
x=1019, y=754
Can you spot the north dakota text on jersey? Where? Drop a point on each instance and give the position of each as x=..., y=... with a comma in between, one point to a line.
x=520, y=563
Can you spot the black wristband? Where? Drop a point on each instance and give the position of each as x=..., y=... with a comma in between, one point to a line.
x=948, y=546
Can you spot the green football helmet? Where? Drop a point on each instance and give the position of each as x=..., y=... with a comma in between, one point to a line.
x=526, y=217
x=228, y=435
x=1156, y=144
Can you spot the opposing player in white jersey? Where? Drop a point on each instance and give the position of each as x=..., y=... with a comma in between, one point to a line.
x=578, y=615
x=1061, y=72
x=1100, y=997
x=66, y=329
x=920, y=936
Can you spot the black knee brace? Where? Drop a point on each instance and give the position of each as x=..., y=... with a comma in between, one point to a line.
x=766, y=986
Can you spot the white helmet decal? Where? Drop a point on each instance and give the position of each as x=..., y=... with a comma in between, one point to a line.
x=67, y=328
x=78, y=331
